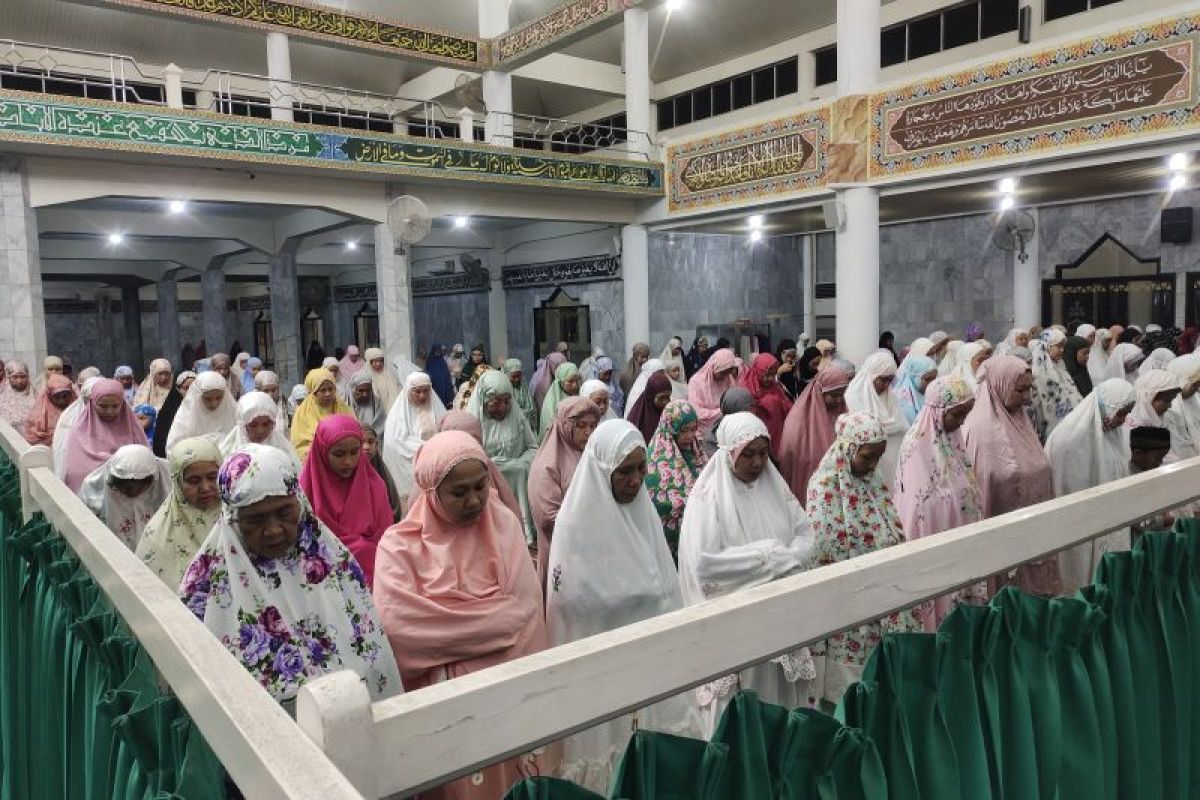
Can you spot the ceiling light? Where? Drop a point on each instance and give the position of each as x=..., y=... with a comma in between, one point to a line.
x=755, y=222
x=115, y=238
x=1008, y=185
x=1006, y=202
x=461, y=222
x=1178, y=181
x=756, y=235
x=674, y=5
x=351, y=245
x=1178, y=162
x=178, y=206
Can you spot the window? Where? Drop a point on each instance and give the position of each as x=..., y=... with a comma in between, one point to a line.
x=893, y=45
x=997, y=17
x=244, y=106
x=342, y=118
x=960, y=26
x=312, y=328
x=925, y=36
x=264, y=340
x=1057, y=9
x=825, y=64
x=366, y=327
x=749, y=88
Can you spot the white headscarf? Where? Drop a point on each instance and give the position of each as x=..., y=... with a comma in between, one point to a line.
x=1123, y=360
x=1006, y=347
x=194, y=418
x=1159, y=358
x=66, y=420
x=962, y=369
x=252, y=406
x=408, y=427
x=594, y=386
x=949, y=357
x=150, y=392
x=651, y=366
x=126, y=516
x=1085, y=330
x=666, y=356
x=1149, y=384
x=1183, y=418
x=1098, y=357
x=861, y=396
x=587, y=367
x=264, y=379
x=920, y=346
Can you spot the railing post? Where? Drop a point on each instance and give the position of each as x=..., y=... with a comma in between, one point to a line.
x=334, y=711
x=37, y=456
x=174, y=85
x=466, y=125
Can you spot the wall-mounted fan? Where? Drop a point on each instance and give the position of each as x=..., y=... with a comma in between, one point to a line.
x=1013, y=230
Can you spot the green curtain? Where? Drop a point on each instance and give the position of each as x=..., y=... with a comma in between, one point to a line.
x=1091, y=697
x=81, y=711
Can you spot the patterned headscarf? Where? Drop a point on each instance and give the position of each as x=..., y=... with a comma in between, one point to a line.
x=908, y=385
x=672, y=471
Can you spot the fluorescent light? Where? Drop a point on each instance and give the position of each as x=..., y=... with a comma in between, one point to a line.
x=755, y=235
x=1007, y=202
x=461, y=222
x=1008, y=185
x=1178, y=181
x=674, y=5
x=178, y=206
x=351, y=245
x=1178, y=162
x=115, y=238
x=755, y=222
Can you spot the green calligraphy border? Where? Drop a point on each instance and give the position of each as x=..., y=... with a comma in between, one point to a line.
x=45, y=119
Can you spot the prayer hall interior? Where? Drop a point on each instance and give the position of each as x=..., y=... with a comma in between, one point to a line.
x=628, y=399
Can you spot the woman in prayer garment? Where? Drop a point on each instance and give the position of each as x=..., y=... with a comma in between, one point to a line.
x=257, y=423
x=315, y=356
x=639, y=355
x=146, y=417
x=240, y=362
x=771, y=403
x=566, y=384
x=439, y=374
x=887, y=341
x=43, y=419
x=1010, y=465
x=1156, y=390
x=375, y=455
x=126, y=491
x=807, y=368
x=456, y=590
x=1090, y=448
x=267, y=382
x=609, y=567
x=605, y=373
x=697, y=357
x=1159, y=358
x=345, y=491
x=254, y=366
x=170, y=409
x=1098, y=356
x=1183, y=419
x=733, y=401
x=708, y=385
x=466, y=422
x=809, y=430
x=17, y=397
x=1086, y=331
x=788, y=375
x=292, y=609
x=351, y=364
x=321, y=401
x=743, y=527
x=553, y=467
x=936, y=489
x=647, y=411
x=870, y=392
x=674, y=461
x=208, y=410
x=520, y=392
x=385, y=386
x=1017, y=337
x=1076, y=352
x=949, y=362
x=587, y=367
x=651, y=366
x=412, y=421
x=973, y=333
x=828, y=350
x=66, y=421
x=1054, y=393
x=174, y=534
x=915, y=374
x=673, y=354
x=366, y=405
x=124, y=374
x=104, y=423
x=51, y=365
x=597, y=392
x=1123, y=362
x=157, y=386
x=475, y=362
x=851, y=510
x=507, y=438
x=969, y=357
x=334, y=367
x=544, y=379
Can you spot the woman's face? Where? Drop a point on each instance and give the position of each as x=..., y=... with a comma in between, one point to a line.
x=515, y=377
x=131, y=487
x=362, y=394
x=212, y=398
x=866, y=458
x=675, y=373
x=768, y=378
x=1081, y=355
x=751, y=462
x=640, y=357
x=54, y=370
x=601, y=400
x=498, y=407
x=626, y=479
x=605, y=377
x=19, y=381
x=1118, y=419
x=1162, y=401
x=1019, y=396
x=834, y=398
x=954, y=417
x=377, y=364
x=581, y=431
x=343, y=456
x=463, y=493
x=370, y=443
x=928, y=378
x=419, y=395
x=108, y=408
x=978, y=359
x=199, y=484
x=476, y=356
x=686, y=438
x=259, y=429
x=1055, y=351
x=1022, y=339
x=187, y=384
x=271, y=390
x=883, y=383
x=61, y=400
x=269, y=528
x=571, y=385
x=662, y=398
x=162, y=378
x=789, y=356
x=326, y=394
x=815, y=362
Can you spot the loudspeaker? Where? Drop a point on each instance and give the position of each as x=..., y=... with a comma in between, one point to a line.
x=1025, y=24
x=1176, y=225
x=835, y=215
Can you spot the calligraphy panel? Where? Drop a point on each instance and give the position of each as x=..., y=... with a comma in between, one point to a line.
x=553, y=273
x=328, y=24
x=1130, y=83
x=775, y=158
x=89, y=123
x=552, y=26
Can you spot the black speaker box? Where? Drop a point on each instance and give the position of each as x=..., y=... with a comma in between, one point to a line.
x=1177, y=225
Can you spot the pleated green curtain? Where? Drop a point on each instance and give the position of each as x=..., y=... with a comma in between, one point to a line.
x=81, y=712
x=1086, y=698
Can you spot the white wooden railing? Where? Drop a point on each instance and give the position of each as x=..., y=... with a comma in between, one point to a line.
x=405, y=744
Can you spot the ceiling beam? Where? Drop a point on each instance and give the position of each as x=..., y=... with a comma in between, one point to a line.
x=580, y=73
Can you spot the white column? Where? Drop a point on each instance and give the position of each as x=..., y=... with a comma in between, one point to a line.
x=173, y=84
x=857, y=239
x=1181, y=292
x=394, y=296
x=279, y=69
x=497, y=317
x=1027, y=281
x=808, y=263
x=637, y=79
x=635, y=275
x=497, y=86
x=466, y=125
x=22, y=309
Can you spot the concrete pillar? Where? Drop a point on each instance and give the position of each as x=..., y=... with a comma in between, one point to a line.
x=635, y=275
x=857, y=238
x=285, y=318
x=394, y=293
x=637, y=79
x=279, y=69
x=497, y=317
x=168, y=320
x=22, y=312
x=497, y=86
x=1027, y=282
x=466, y=125
x=173, y=84
x=131, y=317
x=808, y=263
x=212, y=291
x=1181, y=284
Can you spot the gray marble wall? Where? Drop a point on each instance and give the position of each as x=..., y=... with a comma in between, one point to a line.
x=606, y=307
x=450, y=318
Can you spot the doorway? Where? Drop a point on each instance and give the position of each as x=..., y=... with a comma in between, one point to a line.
x=1109, y=285
x=562, y=318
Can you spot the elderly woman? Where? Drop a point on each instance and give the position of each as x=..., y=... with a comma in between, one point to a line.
x=553, y=467
x=385, y=386
x=743, y=527
x=936, y=488
x=207, y=410
x=267, y=382
x=320, y=401
x=598, y=392
x=456, y=590
x=599, y=583
x=1090, y=448
x=17, y=397
x=257, y=423
x=808, y=431
x=520, y=392
x=708, y=385
x=675, y=459
x=411, y=421
x=852, y=514
x=43, y=419
x=278, y=590
x=507, y=438
x=103, y=424
x=174, y=534
x=1054, y=392
x=1123, y=362
x=124, y=375
x=51, y=365
x=1156, y=390
x=368, y=407
x=157, y=386
x=566, y=384
x=126, y=491
x=870, y=393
